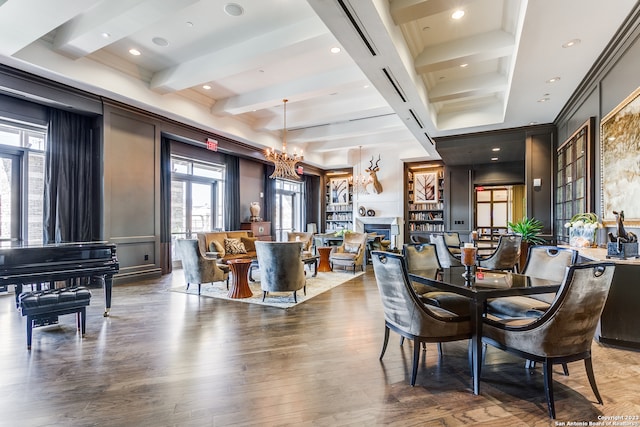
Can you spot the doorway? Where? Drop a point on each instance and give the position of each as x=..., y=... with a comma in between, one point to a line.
x=495, y=207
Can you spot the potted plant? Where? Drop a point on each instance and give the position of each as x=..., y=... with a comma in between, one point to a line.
x=529, y=229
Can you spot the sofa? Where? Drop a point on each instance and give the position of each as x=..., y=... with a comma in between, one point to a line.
x=226, y=245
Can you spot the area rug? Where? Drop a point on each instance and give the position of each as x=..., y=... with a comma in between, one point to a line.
x=315, y=286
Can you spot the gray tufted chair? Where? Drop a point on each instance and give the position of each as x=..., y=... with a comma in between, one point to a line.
x=564, y=333
x=281, y=267
x=506, y=255
x=197, y=268
x=406, y=315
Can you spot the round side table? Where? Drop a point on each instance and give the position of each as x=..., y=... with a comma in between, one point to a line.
x=240, y=285
x=324, y=265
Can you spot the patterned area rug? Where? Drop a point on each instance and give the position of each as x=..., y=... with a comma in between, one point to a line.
x=315, y=286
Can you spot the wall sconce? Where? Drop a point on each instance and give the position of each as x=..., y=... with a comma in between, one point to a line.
x=537, y=184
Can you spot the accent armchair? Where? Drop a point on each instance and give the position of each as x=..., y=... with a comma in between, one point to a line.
x=564, y=333
x=197, y=268
x=281, y=267
x=406, y=315
x=351, y=252
x=305, y=238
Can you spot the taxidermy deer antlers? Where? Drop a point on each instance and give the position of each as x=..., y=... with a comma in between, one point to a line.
x=377, y=187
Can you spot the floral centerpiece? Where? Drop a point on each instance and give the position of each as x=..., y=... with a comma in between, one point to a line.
x=582, y=229
x=342, y=232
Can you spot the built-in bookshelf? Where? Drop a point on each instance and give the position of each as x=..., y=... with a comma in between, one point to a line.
x=338, y=203
x=424, y=199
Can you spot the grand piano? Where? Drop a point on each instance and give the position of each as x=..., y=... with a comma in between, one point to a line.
x=72, y=262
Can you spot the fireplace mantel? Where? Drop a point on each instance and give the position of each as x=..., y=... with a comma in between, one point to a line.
x=361, y=221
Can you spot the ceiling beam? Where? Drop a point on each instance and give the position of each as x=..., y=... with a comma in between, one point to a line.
x=83, y=34
x=481, y=47
x=251, y=54
x=469, y=87
x=404, y=11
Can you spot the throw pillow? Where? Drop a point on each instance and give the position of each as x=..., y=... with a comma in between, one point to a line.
x=352, y=249
x=216, y=246
x=234, y=246
x=249, y=243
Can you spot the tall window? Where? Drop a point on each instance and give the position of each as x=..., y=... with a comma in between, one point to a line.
x=21, y=181
x=288, y=208
x=196, y=197
x=493, y=211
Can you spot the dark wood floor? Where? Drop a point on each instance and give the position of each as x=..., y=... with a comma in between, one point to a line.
x=165, y=358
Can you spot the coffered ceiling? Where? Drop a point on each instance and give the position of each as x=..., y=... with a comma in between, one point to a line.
x=406, y=71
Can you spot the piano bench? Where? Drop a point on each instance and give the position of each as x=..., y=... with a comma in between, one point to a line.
x=43, y=305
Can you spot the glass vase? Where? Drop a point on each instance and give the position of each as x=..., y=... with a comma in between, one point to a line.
x=581, y=237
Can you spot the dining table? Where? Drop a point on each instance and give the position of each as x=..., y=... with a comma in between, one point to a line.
x=483, y=285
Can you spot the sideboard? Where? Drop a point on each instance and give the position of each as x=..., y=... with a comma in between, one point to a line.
x=261, y=229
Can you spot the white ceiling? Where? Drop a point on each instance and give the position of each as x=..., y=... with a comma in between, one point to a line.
x=398, y=79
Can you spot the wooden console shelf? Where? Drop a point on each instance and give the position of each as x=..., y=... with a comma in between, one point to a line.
x=260, y=229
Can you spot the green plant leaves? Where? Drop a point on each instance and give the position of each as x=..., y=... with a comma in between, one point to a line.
x=529, y=229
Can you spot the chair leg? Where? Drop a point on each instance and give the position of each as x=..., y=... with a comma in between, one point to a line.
x=384, y=343
x=295, y=297
x=264, y=295
x=439, y=349
x=565, y=369
x=416, y=359
x=401, y=341
x=592, y=379
x=199, y=286
x=548, y=387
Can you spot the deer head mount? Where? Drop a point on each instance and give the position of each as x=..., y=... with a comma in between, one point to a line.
x=372, y=170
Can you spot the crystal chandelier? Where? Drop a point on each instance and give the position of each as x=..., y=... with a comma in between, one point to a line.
x=360, y=181
x=284, y=162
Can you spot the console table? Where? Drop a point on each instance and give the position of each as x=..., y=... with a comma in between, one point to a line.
x=260, y=229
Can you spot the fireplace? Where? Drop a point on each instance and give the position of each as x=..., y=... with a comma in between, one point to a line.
x=379, y=225
x=383, y=229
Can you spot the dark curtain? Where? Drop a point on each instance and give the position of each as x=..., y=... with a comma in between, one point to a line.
x=72, y=202
x=232, y=193
x=311, y=200
x=270, y=197
x=165, y=206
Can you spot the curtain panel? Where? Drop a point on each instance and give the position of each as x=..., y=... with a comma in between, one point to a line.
x=72, y=209
x=232, y=193
x=165, y=206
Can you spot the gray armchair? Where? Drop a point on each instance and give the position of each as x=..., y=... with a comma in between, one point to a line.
x=406, y=315
x=445, y=256
x=197, y=268
x=564, y=333
x=351, y=252
x=281, y=267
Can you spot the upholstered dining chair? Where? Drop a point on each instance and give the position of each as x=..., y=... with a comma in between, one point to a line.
x=564, y=333
x=197, y=268
x=351, y=252
x=506, y=255
x=281, y=267
x=424, y=257
x=452, y=239
x=543, y=262
x=445, y=256
x=406, y=315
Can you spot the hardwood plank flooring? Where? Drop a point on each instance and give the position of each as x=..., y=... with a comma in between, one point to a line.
x=169, y=359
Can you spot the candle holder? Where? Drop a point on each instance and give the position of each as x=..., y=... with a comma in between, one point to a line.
x=468, y=259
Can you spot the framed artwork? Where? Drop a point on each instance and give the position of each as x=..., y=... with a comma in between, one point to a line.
x=339, y=191
x=425, y=187
x=620, y=161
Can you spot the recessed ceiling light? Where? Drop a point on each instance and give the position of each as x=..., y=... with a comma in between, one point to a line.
x=544, y=99
x=106, y=35
x=134, y=52
x=189, y=24
x=206, y=87
x=533, y=123
x=553, y=79
x=571, y=43
x=464, y=65
x=457, y=14
x=335, y=50
x=493, y=159
x=495, y=149
x=233, y=9
x=366, y=86
x=160, y=41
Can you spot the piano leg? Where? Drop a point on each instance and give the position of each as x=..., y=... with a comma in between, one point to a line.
x=107, y=284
